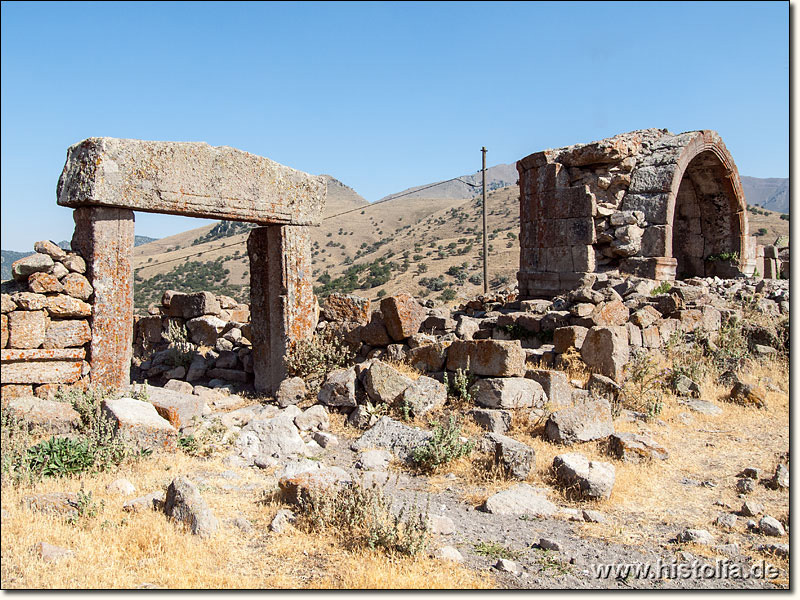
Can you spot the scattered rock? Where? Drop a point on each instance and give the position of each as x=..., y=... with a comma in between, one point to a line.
x=384, y=383
x=403, y=316
x=745, y=485
x=282, y=521
x=702, y=406
x=121, y=487
x=53, y=417
x=515, y=458
x=448, y=553
x=495, y=421
x=588, y=479
x=752, y=509
x=630, y=447
x=593, y=516
x=152, y=501
x=780, y=480
x=606, y=350
x=325, y=439
x=686, y=387
x=508, y=392
x=522, y=499
x=49, y=553
x=771, y=526
x=507, y=566
x=140, y=423
x=339, y=389
x=374, y=460
x=291, y=391
x=487, y=358
x=424, y=395
x=780, y=550
x=394, y=436
x=314, y=417
x=549, y=544
x=748, y=395
x=184, y=503
x=696, y=536
x=726, y=521
x=294, y=488
x=441, y=525
x=61, y=504
x=589, y=419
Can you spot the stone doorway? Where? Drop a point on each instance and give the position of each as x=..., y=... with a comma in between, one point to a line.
x=106, y=179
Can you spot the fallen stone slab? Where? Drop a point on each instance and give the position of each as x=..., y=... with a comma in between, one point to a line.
x=492, y=420
x=53, y=417
x=392, y=435
x=60, y=504
x=448, y=553
x=291, y=391
x=522, y=499
x=583, y=477
x=424, y=395
x=403, y=316
x=384, y=383
x=180, y=409
x=556, y=387
x=339, y=389
x=50, y=553
x=151, y=501
x=606, y=350
x=515, y=458
x=702, y=406
x=696, y=536
x=298, y=487
x=140, y=423
x=184, y=504
x=267, y=439
x=588, y=419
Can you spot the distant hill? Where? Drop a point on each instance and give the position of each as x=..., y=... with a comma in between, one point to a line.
x=497, y=177
x=772, y=194
x=8, y=257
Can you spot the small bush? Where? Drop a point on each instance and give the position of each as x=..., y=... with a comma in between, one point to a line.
x=58, y=457
x=459, y=388
x=495, y=550
x=363, y=516
x=662, y=288
x=444, y=447
x=181, y=350
x=644, y=385
x=323, y=353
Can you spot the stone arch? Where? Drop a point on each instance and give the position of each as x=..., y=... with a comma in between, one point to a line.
x=648, y=203
x=707, y=210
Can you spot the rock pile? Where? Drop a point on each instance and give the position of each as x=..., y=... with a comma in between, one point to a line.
x=46, y=312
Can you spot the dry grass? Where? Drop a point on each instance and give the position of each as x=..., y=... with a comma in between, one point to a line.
x=116, y=549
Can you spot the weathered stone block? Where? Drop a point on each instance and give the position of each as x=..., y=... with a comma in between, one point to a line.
x=189, y=178
x=205, y=330
x=588, y=479
x=77, y=286
x=44, y=283
x=53, y=417
x=346, y=307
x=589, y=419
x=606, y=350
x=63, y=306
x=35, y=263
x=489, y=358
x=630, y=447
x=26, y=329
x=3, y=331
x=52, y=249
x=190, y=306
x=571, y=202
x=29, y=300
x=565, y=338
x=140, y=423
x=554, y=383
x=67, y=334
x=403, y=316
x=508, y=392
x=428, y=358
x=177, y=408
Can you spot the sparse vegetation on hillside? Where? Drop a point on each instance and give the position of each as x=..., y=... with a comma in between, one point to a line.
x=191, y=276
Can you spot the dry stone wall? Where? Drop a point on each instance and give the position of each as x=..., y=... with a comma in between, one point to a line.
x=46, y=330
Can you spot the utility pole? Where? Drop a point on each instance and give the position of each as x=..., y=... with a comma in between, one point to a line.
x=485, y=246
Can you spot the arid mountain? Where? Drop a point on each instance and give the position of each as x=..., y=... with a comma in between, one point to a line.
x=498, y=176
x=772, y=194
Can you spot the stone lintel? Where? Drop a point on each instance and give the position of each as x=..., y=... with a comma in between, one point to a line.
x=104, y=237
x=283, y=309
x=41, y=371
x=188, y=178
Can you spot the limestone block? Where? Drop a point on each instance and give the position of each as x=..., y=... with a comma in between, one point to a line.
x=7, y=303
x=53, y=417
x=630, y=447
x=339, y=388
x=77, y=286
x=428, y=358
x=588, y=419
x=35, y=263
x=205, y=330
x=52, y=249
x=610, y=313
x=178, y=408
x=140, y=423
x=190, y=306
x=74, y=263
x=189, y=178
x=44, y=283
x=346, y=307
x=67, y=334
x=403, y=316
x=489, y=358
x=384, y=383
x=62, y=306
x=606, y=350
x=508, y=392
x=589, y=479
x=29, y=300
x=554, y=383
x=26, y=329
x=41, y=366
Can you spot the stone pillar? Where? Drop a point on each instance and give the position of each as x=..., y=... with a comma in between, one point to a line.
x=104, y=237
x=283, y=309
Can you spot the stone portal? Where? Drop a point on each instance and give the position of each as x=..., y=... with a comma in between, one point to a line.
x=647, y=203
x=106, y=179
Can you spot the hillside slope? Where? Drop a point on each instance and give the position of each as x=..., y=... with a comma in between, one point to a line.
x=772, y=194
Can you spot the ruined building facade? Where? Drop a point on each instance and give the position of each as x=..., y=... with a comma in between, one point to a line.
x=648, y=203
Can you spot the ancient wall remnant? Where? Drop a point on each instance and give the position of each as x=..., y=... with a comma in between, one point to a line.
x=648, y=203
x=106, y=179
x=45, y=323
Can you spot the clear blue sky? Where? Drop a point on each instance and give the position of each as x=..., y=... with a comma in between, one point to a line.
x=381, y=96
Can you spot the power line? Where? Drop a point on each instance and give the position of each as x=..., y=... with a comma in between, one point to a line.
x=360, y=208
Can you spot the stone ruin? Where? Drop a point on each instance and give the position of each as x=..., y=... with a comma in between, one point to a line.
x=105, y=180
x=647, y=203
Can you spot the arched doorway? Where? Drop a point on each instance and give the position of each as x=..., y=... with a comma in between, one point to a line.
x=706, y=230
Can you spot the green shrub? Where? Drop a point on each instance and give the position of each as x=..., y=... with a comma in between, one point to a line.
x=444, y=447
x=662, y=288
x=58, y=457
x=318, y=356
x=644, y=385
x=495, y=550
x=363, y=516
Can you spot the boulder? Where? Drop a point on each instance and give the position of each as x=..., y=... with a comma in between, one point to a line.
x=521, y=499
x=487, y=358
x=384, y=383
x=314, y=417
x=339, y=388
x=51, y=249
x=494, y=421
x=696, y=536
x=403, y=316
x=554, y=383
x=633, y=448
x=588, y=419
x=399, y=439
x=374, y=460
x=565, y=338
x=508, y=392
x=291, y=391
x=583, y=477
x=180, y=409
x=748, y=395
x=44, y=283
x=77, y=286
x=606, y=351
x=140, y=423
x=265, y=441
x=375, y=333
x=771, y=526
x=184, y=504
x=424, y=395
x=205, y=330
x=53, y=417
x=190, y=306
x=35, y=263
x=346, y=307
x=514, y=458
